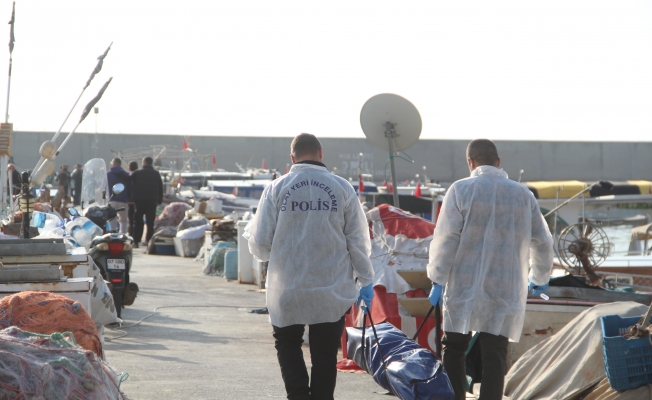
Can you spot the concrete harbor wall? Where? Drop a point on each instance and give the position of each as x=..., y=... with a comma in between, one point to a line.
x=444, y=159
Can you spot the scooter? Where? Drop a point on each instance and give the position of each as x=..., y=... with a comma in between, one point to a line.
x=112, y=253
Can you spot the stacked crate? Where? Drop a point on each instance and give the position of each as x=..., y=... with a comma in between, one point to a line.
x=6, y=130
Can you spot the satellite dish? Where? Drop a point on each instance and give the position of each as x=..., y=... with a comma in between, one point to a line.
x=392, y=108
x=391, y=123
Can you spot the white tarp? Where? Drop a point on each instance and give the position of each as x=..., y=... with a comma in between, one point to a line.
x=400, y=242
x=571, y=361
x=103, y=310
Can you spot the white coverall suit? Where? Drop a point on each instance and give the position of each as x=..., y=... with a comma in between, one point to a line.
x=490, y=231
x=311, y=228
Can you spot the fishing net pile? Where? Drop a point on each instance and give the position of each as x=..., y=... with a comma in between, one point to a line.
x=215, y=265
x=172, y=215
x=44, y=367
x=48, y=313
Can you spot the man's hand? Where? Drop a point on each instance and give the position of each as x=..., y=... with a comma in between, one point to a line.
x=537, y=289
x=435, y=295
x=366, y=295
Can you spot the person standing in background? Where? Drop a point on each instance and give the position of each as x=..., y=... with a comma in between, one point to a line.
x=16, y=180
x=76, y=184
x=60, y=201
x=118, y=175
x=148, y=194
x=133, y=165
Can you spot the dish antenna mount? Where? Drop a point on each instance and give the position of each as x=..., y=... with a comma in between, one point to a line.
x=390, y=122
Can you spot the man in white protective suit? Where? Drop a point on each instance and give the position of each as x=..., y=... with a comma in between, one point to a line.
x=311, y=228
x=490, y=232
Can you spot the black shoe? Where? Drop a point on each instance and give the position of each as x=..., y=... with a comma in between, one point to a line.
x=136, y=245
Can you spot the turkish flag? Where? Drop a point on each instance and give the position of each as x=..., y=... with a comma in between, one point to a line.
x=264, y=164
x=360, y=184
x=185, y=145
x=214, y=160
x=417, y=192
x=390, y=187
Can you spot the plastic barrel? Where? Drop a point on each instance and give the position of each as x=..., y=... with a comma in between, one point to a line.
x=231, y=265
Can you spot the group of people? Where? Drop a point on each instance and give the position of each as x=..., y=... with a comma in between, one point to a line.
x=491, y=246
x=68, y=183
x=142, y=195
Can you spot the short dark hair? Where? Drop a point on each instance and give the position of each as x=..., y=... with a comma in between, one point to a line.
x=305, y=144
x=148, y=161
x=116, y=161
x=483, y=152
x=133, y=165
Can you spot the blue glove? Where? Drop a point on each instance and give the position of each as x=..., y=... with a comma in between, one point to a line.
x=537, y=289
x=366, y=295
x=435, y=295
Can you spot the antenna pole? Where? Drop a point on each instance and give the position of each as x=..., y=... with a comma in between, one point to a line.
x=390, y=134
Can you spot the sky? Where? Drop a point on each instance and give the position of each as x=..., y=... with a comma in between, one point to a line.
x=506, y=70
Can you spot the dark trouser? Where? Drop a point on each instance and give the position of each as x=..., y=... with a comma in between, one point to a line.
x=324, y=343
x=130, y=215
x=148, y=209
x=76, y=197
x=494, y=363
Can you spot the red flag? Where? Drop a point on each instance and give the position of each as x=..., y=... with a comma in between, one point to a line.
x=360, y=184
x=185, y=145
x=417, y=192
x=390, y=187
x=214, y=160
x=264, y=164
x=235, y=191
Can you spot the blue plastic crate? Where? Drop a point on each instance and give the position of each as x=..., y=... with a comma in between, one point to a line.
x=627, y=362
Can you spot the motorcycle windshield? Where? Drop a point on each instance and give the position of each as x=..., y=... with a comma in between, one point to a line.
x=95, y=185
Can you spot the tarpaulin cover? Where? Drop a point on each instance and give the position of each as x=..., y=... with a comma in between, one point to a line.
x=400, y=241
x=571, y=362
x=412, y=372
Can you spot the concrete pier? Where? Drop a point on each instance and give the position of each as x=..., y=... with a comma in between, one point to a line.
x=221, y=352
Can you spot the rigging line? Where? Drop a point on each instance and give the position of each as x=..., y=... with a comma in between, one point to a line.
x=408, y=156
